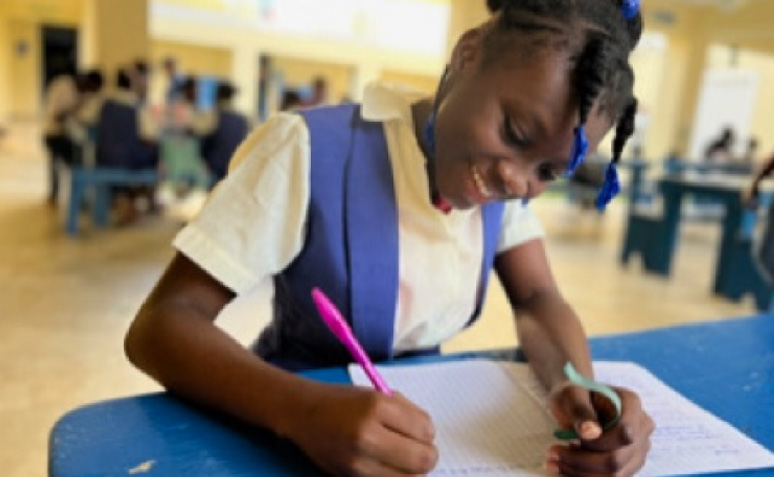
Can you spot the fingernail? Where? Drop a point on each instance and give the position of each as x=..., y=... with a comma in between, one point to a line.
x=552, y=468
x=553, y=457
x=590, y=430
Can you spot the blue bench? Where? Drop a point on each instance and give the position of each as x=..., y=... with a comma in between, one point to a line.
x=101, y=180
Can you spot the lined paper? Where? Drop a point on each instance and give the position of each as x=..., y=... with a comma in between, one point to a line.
x=491, y=420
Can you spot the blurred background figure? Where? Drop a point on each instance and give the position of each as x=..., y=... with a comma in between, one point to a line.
x=182, y=165
x=720, y=150
x=61, y=100
x=140, y=76
x=174, y=81
x=290, y=100
x=750, y=154
x=127, y=139
x=319, y=94
x=223, y=135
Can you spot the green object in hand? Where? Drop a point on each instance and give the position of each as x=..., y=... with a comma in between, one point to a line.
x=576, y=378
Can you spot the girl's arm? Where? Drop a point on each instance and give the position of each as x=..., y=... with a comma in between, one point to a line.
x=344, y=429
x=550, y=334
x=549, y=331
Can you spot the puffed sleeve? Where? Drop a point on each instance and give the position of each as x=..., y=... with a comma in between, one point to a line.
x=520, y=225
x=252, y=225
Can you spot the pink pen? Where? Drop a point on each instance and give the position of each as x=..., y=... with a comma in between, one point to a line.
x=338, y=326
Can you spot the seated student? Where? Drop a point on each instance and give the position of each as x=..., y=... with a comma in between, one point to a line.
x=83, y=123
x=62, y=98
x=398, y=209
x=126, y=139
x=226, y=131
x=720, y=150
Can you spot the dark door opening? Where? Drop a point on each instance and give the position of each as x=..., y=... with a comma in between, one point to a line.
x=60, y=52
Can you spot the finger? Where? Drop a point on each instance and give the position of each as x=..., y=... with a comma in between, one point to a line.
x=399, y=452
x=634, y=424
x=571, y=407
x=405, y=417
x=583, y=415
x=624, y=462
x=367, y=468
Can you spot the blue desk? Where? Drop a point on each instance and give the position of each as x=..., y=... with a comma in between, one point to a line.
x=726, y=367
x=735, y=274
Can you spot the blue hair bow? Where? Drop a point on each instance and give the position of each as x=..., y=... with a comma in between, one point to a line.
x=429, y=132
x=579, y=148
x=630, y=8
x=610, y=188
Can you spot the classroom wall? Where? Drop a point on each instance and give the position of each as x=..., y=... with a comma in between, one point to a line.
x=193, y=58
x=20, y=58
x=24, y=74
x=6, y=49
x=424, y=83
x=762, y=64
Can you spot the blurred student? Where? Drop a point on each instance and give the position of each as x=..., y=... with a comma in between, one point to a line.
x=82, y=124
x=174, y=81
x=226, y=131
x=61, y=101
x=720, y=150
x=140, y=77
x=127, y=139
x=291, y=100
x=750, y=154
x=319, y=92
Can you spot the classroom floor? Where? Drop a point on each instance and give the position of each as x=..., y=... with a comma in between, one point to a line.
x=65, y=303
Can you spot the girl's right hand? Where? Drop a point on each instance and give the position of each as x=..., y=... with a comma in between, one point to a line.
x=355, y=431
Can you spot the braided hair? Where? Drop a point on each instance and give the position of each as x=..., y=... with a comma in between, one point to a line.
x=599, y=37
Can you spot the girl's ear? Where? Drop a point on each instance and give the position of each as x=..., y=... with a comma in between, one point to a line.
x=467, y=51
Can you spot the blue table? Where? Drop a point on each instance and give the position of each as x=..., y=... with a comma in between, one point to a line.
x=657, y=237
x=726, y=367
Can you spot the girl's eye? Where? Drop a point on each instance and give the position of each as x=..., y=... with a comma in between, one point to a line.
x=511, y=136
x=546, y=173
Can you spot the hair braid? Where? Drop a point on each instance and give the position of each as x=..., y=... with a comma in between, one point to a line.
x=590, y=76
x=595, y=32
x=624, y=129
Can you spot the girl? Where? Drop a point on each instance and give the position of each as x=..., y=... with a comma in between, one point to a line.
x=398, y=208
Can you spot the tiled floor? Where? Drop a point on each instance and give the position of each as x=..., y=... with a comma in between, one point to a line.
x=65, y=303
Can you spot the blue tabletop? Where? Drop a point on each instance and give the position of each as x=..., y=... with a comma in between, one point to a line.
x=727, y=367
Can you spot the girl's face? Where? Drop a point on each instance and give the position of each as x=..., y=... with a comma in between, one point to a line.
x=506, y=130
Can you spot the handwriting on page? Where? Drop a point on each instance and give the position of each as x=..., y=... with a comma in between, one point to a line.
x=688, y=439
x=491, y=420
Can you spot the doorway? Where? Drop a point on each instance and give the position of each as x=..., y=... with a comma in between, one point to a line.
x=60, y=52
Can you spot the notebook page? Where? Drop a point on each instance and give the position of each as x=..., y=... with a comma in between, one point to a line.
x=485, y=425
x=688, y=440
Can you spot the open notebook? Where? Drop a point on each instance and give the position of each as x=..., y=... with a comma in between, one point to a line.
x=491, y=419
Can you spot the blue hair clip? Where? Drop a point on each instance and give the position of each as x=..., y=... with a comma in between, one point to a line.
x=610, y=188
x=579, y=148
x=630, y=8
x=429, y=132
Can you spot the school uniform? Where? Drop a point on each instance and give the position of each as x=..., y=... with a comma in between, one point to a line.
x=338, y=198
x=61, y=100
x=125, y=134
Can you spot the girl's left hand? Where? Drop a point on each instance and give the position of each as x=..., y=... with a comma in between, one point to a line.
x=618, y=451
